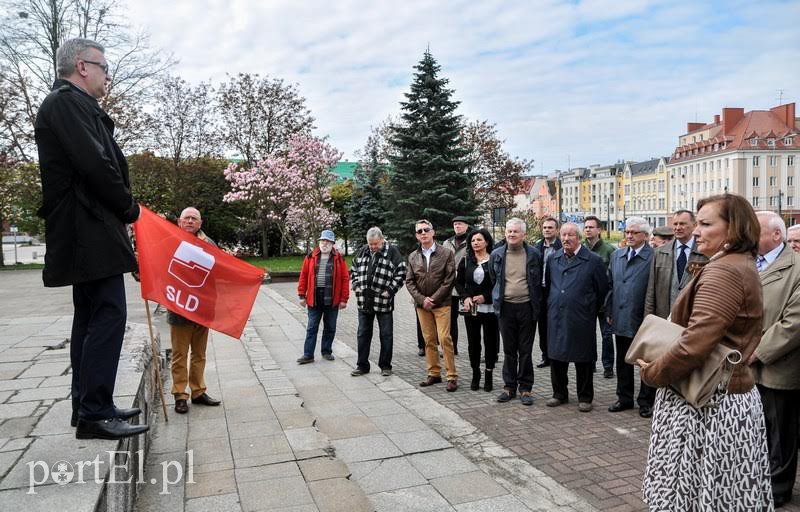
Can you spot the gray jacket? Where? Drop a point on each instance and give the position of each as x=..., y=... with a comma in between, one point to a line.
x=628, y=287
x=663, y=286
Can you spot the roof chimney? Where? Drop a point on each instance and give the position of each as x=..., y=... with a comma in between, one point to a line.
x=785, y=113
x=730, y=118
x=690, y=127
x=716, y=119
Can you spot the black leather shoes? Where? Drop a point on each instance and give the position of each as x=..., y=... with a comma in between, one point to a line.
x=181, y=407
x=544, y=363
x=112, y=428
x=421, y=352
x=619, y=406
x=204, y=399
x=645, y=411
x=122, y=414
x=431, y=380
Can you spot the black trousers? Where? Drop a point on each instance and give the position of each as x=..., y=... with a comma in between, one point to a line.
x=625, y=373
x=366, y=319
x=543, y=328
x=517, y=327
x=781, y=410
x=420, y=337
x=454, y=308
x=98, y=327
x=583, y=376
x=487, y=322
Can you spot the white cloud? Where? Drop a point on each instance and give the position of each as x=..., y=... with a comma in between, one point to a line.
x=599, y=80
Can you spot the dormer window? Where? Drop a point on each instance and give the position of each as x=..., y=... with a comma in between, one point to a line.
x=787, y=141
x=754, y=141
x=771, y=142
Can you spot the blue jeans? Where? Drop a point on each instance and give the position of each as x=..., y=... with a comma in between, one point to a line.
x=366, y=320
x=328, y=315
x=608, y=342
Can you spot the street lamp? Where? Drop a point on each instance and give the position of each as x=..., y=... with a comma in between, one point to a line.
x=608, y=217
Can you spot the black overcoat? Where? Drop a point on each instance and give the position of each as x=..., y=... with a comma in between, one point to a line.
x=86, y=190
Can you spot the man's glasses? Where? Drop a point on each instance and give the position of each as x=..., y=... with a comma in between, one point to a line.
x=633, y=232
x=101, y=65
x=423, y=230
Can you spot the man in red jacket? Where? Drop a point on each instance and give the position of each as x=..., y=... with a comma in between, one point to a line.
x=323, y=289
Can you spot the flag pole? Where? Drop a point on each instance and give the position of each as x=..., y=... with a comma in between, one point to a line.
x=156, y=360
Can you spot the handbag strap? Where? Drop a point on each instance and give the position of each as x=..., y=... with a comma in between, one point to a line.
x=732, y=359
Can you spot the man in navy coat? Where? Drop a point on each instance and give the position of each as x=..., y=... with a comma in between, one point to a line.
x=577, y=286
x=629, y=270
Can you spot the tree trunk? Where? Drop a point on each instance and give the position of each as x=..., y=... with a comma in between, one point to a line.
x=264, y=243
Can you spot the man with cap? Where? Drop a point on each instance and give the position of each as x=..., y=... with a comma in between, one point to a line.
x=458, y=244
x=661, y=237
x=323, y=289
x=793, y=237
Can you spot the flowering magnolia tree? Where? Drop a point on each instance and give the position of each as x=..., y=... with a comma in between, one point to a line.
x=289, y=190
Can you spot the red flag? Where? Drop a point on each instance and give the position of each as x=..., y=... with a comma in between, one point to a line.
x=193, y=278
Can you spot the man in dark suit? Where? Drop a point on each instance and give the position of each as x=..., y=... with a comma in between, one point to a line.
x=548, y=245
x=86, y=203
x=629, y=269
x=577, y=284
x=670, y=268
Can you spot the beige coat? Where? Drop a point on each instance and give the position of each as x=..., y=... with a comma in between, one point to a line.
x=779, y=351
x=659, y=285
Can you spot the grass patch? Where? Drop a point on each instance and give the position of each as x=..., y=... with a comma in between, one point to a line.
x=284, y=263
x=23, y=266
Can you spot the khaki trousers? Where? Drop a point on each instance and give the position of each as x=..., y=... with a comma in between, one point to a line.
x=435, y=324
x=184, y=338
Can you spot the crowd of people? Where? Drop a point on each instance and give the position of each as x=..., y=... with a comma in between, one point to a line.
x=706, y=273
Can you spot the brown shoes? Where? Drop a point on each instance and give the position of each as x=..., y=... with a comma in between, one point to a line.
x=452, y=385
x=181, y=407
x=431, y=380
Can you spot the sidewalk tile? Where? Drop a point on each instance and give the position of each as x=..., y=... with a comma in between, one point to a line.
x=467, y=487
x=386, y=475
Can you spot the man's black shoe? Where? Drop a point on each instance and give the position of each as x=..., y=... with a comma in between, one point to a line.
x=608, y=373
x=122, y=414
x=619, y=406
x=421, y=352
x=204, y=399
x=112, y=428
x=645, y=411
x=544, y=363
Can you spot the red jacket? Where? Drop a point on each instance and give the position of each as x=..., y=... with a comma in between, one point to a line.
x=308, y=279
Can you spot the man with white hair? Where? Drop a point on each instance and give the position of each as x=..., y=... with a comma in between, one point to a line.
x=577, y=283
x=793, y=237
x=777, y=358
x=629, y=269
x=186, y=335
x=376, y=274
x=86, y=204
x=515, y=268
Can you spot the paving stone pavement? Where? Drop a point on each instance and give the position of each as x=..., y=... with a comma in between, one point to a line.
x=600, y=456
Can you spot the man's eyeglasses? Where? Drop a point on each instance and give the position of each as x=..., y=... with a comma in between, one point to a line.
x=101, y=65
x=423, y=230
x=628, y=232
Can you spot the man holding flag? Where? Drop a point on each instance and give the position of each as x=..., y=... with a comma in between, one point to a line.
x=186, y=335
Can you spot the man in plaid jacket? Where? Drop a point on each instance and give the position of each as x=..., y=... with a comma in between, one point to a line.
x=376, y=274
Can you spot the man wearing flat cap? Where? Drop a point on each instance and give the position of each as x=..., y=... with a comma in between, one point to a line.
x=324, y=288
x=661, y=236
x=458, y=244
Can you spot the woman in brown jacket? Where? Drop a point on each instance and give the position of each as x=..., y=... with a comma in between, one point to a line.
x=714, y=458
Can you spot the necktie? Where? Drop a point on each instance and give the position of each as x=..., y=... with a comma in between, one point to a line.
x=761, y=263
x=631, y=255
x=681, y=263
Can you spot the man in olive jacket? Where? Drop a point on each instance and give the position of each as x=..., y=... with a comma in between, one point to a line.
x=430, y=278
x=776, y=361
x=86, y=204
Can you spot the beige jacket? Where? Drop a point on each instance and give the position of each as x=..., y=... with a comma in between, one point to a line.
x=779, y=352
x=659, y=286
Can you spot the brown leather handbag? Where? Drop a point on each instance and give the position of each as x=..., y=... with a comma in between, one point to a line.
x=656, y=336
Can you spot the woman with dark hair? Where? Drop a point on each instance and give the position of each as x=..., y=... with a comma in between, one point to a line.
x=475, y=290
x=715, y=457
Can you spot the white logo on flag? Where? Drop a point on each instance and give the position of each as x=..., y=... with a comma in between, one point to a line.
x=191, y=265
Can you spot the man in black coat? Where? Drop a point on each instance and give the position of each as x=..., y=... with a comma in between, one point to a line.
x=86, y=203
x=548, y=245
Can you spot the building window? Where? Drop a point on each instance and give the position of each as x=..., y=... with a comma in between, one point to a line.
x=755, y=161
x=754, y=141
x=790, y=180
x=771, y=142
x=789, y=201
x=773, y=161
x=790, y=160
x=726, y=163
x=787, y=141
x=755, y=201
x=772, y=181
x=772, y=200
x=755, y=181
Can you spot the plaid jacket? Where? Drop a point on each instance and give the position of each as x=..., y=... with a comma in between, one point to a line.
x=388, y=277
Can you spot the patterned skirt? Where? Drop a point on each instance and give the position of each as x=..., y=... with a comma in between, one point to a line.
x=710, y=459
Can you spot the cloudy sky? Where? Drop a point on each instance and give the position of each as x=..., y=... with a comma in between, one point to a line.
x=589, y=81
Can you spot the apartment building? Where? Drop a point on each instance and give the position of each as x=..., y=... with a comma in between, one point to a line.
x=646, y=191
x=753, y=153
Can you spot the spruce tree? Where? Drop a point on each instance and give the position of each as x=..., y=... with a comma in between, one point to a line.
x=367, y=208
x=428, y=177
